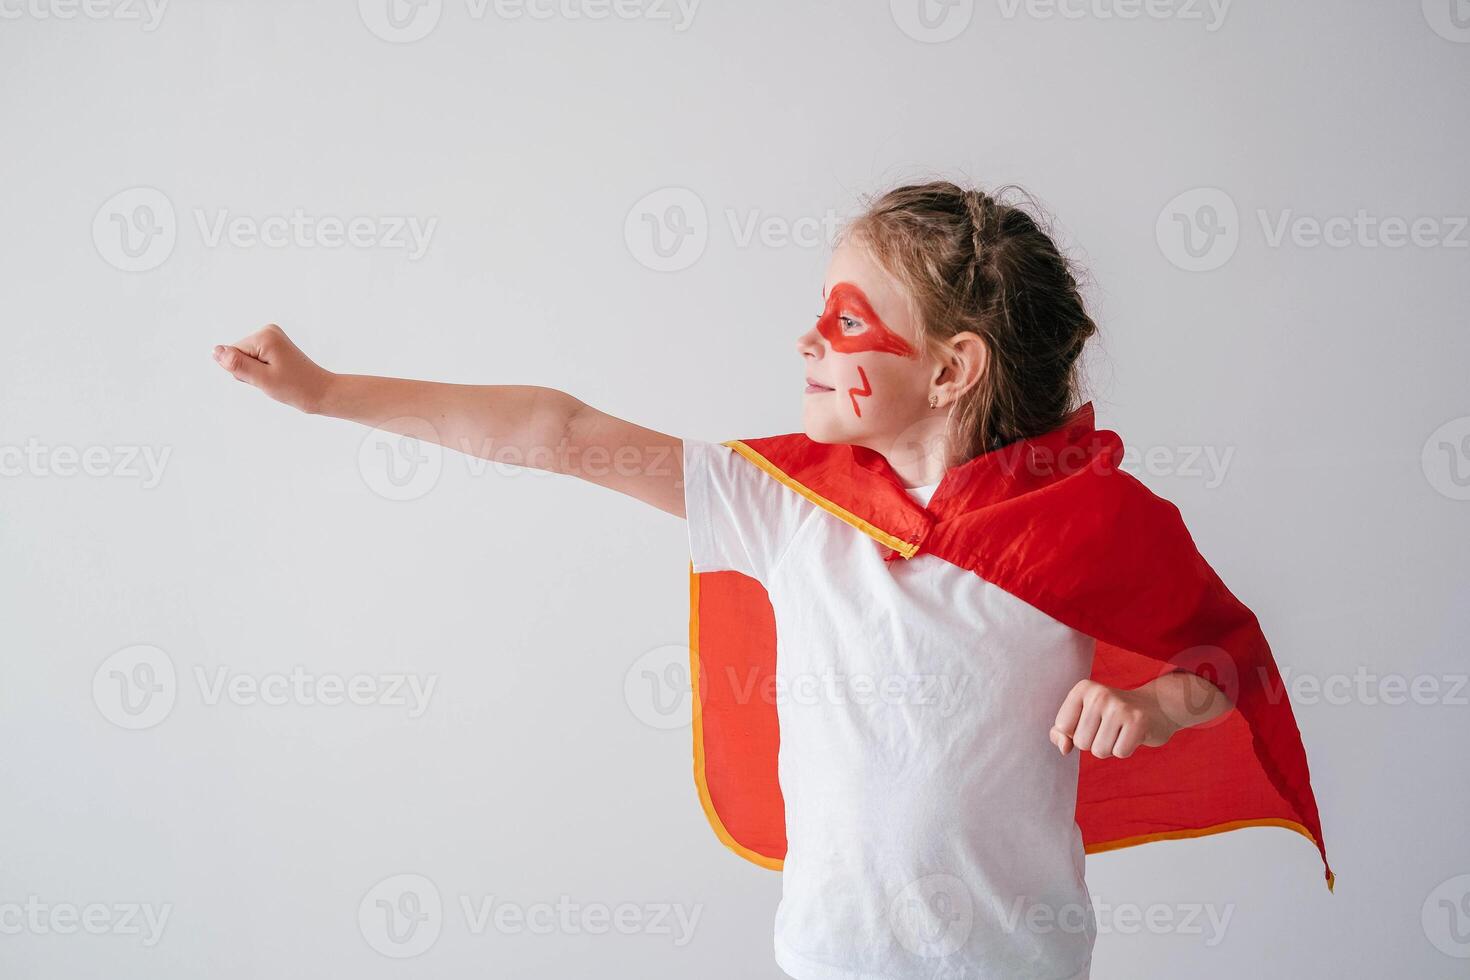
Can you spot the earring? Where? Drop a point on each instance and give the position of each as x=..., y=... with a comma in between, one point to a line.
x=933, y=401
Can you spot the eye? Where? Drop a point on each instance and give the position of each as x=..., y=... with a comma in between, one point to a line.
x=850, y=325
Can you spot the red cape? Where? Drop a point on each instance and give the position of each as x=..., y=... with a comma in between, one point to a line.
x=1053, y=521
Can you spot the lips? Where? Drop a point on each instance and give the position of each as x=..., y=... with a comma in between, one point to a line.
x=815, y=386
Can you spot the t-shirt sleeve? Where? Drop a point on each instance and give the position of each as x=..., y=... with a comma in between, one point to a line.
x=740, y=518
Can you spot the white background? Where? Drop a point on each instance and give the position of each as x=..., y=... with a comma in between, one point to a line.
x=538, y=769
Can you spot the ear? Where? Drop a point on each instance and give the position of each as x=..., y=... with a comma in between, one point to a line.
x=962, y=360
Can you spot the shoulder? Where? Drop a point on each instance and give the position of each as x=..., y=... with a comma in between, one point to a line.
x=786, y=449
x=789, y=457
x=1092, y=503
x=1113, y=520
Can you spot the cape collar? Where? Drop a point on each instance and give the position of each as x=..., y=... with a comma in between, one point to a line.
x=1000, y=473
x=859, y=485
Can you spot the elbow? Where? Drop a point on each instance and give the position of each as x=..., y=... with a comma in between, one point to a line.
x=566, y=426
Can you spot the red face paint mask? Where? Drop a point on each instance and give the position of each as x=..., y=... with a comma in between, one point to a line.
x=847, y=301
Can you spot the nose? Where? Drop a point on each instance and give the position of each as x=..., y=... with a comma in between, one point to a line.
x=810, y=344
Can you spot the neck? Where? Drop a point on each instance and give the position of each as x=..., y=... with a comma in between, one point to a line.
x=918, y=475
x=921, y=461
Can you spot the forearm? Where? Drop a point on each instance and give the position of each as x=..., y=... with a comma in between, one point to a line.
x=522, y=424
x=1185, y=699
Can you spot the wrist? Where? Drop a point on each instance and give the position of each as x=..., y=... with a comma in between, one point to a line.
x=324, y=396
x=1183, y=700
x=1164, y=723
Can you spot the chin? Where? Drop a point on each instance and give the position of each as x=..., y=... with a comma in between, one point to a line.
x=820, y=435
x=826, y=430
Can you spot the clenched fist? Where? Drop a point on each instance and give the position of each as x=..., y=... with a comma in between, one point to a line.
x=268, y=360
x=1108, y=721
x=1113, y=722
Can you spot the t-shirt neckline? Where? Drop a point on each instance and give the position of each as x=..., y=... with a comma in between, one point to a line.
x=922, y=494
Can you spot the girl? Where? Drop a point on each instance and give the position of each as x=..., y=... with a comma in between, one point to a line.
x=907, y=616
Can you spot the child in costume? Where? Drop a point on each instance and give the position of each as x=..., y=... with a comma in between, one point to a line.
x=906, y=617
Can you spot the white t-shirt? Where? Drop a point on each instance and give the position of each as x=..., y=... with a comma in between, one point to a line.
x=922, y=494
x=930, y=822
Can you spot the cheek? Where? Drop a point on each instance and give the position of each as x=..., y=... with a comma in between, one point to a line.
x=872, y=387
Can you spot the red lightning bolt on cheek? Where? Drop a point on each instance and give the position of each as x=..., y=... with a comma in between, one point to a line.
x=865, y=391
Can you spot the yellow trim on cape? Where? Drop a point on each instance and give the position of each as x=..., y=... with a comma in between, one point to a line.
x=905, y=548
x=705, y=801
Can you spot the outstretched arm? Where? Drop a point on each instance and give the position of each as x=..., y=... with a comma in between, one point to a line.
x=526, y=425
